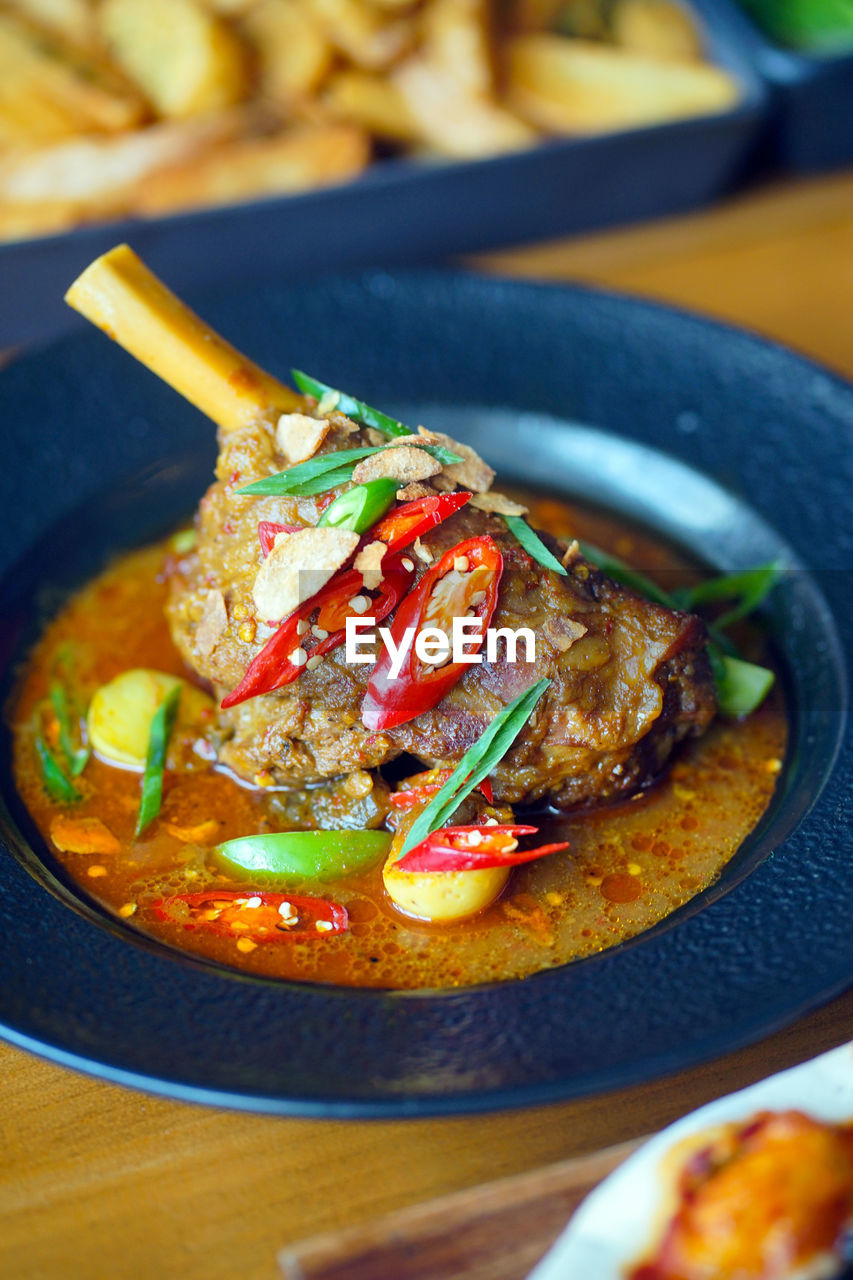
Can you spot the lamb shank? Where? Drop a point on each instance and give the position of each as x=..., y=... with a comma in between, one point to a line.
x=629, y=679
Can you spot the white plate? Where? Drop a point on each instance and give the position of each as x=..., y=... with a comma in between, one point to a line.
x=614, y=1226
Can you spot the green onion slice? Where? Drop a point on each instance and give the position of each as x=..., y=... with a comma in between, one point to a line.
x=58, y=786
x=304, y=855
x=346, y=404
x=162, y=724
x=619, y=571
x=749, y=589
x=532, y=543
x=319, y=475
x=476, y=764
x=741, y=686
x=361, y=506
x=75, y=757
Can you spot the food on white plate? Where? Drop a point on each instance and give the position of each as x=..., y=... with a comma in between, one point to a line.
x=770, y=1198
x=112, y=108
x=285, y=787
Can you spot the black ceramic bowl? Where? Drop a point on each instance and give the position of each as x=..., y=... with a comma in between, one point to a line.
x=739, y=450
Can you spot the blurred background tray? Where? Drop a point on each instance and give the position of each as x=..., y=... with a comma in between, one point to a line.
x=401, y=211
x=811, y=126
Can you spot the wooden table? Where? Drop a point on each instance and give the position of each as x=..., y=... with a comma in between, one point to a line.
x=97, y=1181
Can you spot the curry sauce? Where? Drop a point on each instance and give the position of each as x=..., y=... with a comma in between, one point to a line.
x=629, y=864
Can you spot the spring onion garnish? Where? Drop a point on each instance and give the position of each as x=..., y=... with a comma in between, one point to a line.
x=75, y=757
x=304, y=855
x=532, y=543
x=476, y=764
x=619, y=571
x=319, y=475
x=330, y=399
x=58, y=786
x=361, y=506
x=162, y=724
x=740, y=686
x=748, y=589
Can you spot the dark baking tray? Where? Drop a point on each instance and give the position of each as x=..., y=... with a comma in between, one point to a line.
x=811, y=97
x=404, y=212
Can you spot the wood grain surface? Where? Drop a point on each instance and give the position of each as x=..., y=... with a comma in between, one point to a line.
x=100, y=1183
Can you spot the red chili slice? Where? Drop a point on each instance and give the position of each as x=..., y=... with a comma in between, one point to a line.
x=272, y=668
x=268, y=531
x=399, y=528
x=242, y=913
x=474, y=849
x=421, y=791
x=417, y=688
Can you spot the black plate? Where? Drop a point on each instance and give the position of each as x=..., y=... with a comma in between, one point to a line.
x=770, y=437
x=403, y=211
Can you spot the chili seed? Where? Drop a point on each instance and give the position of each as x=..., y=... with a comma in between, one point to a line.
x=320, y=633
x=302, y=627
x=299, y=657
x=359, y=604
x=478, y=597
x=246, y=632
x=313, y=663
x=408, y=564
x=460, y=564
x=323, y=926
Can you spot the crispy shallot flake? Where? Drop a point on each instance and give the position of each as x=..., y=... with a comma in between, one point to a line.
x=211, y=624
x=398, y=462
x=411, y=492
x=571, y=554
x=368, y=562
x=562, y=632
x=498, y=503
x=298, y=437
x=471, y=473
x=298, y=566
x=82, y=835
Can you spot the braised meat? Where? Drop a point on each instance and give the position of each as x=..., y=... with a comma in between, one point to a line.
x=629, y=679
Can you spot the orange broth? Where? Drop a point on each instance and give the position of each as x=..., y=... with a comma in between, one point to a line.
x=629, y=865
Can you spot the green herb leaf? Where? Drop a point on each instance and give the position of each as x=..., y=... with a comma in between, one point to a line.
x=293, y=478
x=741, y=686
x=532, y=543
x=346, y=404
x=619, y=571
x=162, y=724
x=58, y=786
x=476, y=764
x=76, y=757
x=319, y=475
x=749, y=588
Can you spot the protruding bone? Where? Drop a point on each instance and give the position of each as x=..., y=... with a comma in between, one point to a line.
x=119, y=294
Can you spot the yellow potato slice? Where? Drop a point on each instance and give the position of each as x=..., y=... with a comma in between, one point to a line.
x=443, y=896
x=121, y=712
x=371, y=101
x=575, y=86
x=185, y=60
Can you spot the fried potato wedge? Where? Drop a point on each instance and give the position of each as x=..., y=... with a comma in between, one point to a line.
x=296, y=160
x=575, y=87
x=453, y=122
x=84, y=178
x=293, y=52
x=455, y=37
x=369, y=37
x=184, y=59
x=37, y=67
x=373, y=102
x=657, y=28
x=74, y=20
